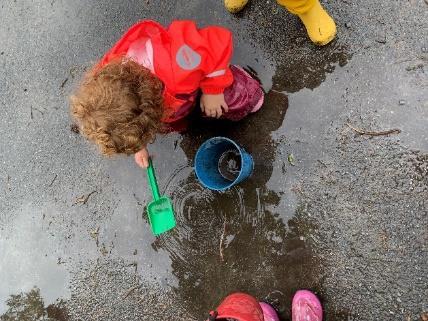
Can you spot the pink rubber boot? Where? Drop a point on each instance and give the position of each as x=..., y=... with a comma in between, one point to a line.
x=269, y=313
x=306, y=307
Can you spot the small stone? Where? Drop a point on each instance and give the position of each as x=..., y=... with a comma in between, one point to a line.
x=74, y=128
x=300, y=40
x=381, y=40
x=402, y=102
x=424, y=50
x=347, y=25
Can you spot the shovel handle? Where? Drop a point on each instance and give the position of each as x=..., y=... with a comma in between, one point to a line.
x=152, y=181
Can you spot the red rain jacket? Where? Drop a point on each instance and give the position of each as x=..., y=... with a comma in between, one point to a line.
x=185, y=59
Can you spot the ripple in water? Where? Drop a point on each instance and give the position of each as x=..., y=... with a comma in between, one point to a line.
x=200, y=215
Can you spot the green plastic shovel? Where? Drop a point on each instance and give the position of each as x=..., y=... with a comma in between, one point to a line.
x=160, y=211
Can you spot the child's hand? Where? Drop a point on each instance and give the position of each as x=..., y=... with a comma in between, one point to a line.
x=142, y=158
x=213, y=105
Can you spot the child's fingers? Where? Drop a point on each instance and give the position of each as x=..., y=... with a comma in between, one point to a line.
x=139, y=161
x=142, y=158
x=145, y=162
x=215, y=112
x=145, y=157
x=219, y=112
x=202, y=106
x=210, y=112
x=225, y=107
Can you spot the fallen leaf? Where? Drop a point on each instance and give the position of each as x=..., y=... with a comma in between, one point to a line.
x=291, y=159
x=94, y=233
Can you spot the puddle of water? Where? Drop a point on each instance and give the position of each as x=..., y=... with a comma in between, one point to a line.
x=30, y=258
x=227, y=242
x=30, y=306
x=309, y=67
x=200, y=269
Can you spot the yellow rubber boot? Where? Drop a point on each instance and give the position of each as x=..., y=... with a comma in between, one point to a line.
x=235, y=6
x=319, y=25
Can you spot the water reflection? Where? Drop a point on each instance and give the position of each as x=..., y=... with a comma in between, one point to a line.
x=29, y=306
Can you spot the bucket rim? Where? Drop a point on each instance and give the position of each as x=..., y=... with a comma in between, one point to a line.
x=239, y=148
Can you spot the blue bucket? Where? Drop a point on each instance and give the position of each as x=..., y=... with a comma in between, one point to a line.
x=220, y=163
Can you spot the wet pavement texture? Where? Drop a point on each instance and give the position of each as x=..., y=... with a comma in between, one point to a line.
x=343, y=214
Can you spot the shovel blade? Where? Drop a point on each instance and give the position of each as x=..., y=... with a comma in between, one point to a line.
x=161, y=215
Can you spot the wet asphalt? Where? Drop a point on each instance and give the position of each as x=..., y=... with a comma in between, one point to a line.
x=327, y=209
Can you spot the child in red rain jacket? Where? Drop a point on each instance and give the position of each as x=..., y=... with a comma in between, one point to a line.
x=152, y=77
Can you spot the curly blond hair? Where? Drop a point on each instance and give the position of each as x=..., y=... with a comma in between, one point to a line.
x=119, y=106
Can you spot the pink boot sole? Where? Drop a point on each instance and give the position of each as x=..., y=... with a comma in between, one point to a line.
x=306, y=307
x=269, y=313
